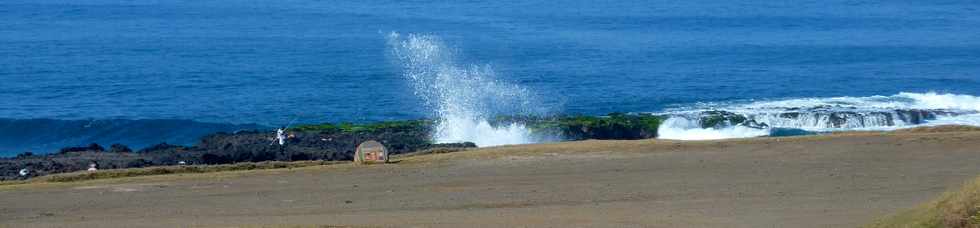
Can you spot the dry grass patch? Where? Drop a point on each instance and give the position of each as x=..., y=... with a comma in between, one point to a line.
x=164, y=170
x=574, y=147
x=619, y=146
x=430, y=152
x=305, y=226
x=3, y=183
x=955, y=209
x=938, y=129
x=914, y=130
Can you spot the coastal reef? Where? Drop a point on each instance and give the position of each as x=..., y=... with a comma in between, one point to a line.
x=325, y=141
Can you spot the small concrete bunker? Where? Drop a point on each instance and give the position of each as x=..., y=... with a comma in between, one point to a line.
x=371, y=152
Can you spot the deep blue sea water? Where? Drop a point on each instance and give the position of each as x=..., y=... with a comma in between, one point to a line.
x=266, y=62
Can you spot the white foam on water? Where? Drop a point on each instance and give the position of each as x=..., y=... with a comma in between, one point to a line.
x=480, y=132
x=904, y=100
x=462, y=96
x=681, y=128
x=943, y=101
x=971, y=120
x=826, y=114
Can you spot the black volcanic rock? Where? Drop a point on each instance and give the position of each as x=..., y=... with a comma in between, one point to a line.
x=119, y=148
x=310, y=142
x=718, y=119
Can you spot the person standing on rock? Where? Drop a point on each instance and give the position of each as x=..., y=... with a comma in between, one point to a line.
x=281, y=136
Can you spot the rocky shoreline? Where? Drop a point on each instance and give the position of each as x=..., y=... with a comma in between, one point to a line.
x=337, y=142
x=327, y=142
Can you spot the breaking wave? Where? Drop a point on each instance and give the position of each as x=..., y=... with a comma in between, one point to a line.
x=690, y=129
x=760, y=118
x=462, y=96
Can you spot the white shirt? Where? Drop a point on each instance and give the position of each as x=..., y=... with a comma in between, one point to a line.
x=281, y=135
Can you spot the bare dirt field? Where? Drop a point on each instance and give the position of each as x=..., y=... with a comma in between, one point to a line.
x=843, y=180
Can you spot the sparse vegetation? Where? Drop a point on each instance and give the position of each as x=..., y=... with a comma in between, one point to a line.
x=163, y=170
x=955, y=209
x=326, y=141
x=721, y=118
x=119, y=148
x=91, y=147
x=368, y=128
x=612, y=126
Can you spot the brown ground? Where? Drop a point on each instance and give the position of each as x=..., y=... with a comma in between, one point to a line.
x=823, y=181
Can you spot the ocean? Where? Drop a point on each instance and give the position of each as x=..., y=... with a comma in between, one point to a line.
x=230, y=65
